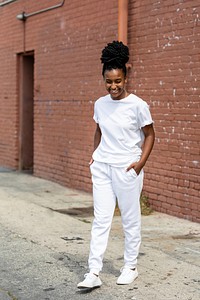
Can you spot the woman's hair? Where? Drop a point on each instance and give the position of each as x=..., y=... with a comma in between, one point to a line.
x=115, y=56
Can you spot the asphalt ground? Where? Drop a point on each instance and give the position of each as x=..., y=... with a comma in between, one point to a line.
x=44, y=245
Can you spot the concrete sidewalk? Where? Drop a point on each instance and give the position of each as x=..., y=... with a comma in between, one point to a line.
x=57, y=220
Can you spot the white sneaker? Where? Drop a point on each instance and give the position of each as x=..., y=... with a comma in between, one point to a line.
x=127, y=275
x=90, y=281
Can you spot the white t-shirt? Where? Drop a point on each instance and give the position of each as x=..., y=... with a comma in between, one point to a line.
x=120, y=122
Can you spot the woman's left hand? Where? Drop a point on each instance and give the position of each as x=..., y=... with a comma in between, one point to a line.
x=147, y=147
x=137, y=166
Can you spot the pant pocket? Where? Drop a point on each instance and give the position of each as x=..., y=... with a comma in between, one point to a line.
x=132, y=173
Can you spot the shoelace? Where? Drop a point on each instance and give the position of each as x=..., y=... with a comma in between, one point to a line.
x=86, y=274
x=89, y=275
x=125, y=270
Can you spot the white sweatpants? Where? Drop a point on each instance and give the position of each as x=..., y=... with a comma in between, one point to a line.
x=111, y=183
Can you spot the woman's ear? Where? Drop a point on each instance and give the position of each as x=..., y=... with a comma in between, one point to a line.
x=126, y=80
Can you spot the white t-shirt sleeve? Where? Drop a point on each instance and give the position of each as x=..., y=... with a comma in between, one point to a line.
x=144, y=115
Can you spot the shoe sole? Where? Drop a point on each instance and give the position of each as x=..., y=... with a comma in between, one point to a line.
x=88, y=288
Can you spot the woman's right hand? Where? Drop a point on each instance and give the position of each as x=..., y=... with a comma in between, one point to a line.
x=91, y=161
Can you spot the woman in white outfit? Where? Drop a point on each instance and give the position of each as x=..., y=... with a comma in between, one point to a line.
x=123, y=141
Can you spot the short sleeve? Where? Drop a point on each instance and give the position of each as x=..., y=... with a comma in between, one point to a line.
x=95, y=116
x=144, y=115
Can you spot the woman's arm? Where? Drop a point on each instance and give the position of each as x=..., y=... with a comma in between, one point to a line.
x=97, y=139
x=147, y=147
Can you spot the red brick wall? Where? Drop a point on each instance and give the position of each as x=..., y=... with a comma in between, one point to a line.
x=67, y=42
x=163, y=37
x=68, y=80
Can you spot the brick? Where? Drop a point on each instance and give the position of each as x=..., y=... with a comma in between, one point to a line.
x=163, y=38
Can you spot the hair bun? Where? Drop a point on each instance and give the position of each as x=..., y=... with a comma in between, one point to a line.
x=115, y=52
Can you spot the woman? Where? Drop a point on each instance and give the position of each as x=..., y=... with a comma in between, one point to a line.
x=123, y=141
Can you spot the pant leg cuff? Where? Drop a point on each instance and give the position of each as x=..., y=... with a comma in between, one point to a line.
x=95, y=271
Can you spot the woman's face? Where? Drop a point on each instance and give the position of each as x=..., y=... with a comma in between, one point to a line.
x=115, y=81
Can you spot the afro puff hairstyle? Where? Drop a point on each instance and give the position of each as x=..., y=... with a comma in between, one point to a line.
x=115, y=56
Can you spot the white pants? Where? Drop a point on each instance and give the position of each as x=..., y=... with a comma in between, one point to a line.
x=111, y=183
